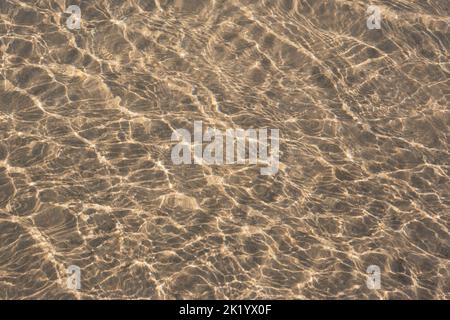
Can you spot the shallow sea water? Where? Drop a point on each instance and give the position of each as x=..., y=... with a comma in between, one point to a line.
x=86, y=176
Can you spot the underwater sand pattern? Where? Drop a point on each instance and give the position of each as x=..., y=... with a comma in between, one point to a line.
x=86, y=177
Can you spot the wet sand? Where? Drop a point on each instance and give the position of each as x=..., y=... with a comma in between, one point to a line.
x=86, y=177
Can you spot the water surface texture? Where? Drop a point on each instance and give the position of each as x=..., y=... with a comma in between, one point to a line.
x=86, y=176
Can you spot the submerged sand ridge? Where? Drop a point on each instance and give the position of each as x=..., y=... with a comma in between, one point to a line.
x=87, y=178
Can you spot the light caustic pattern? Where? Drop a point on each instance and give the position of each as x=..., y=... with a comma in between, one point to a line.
x=86, y=177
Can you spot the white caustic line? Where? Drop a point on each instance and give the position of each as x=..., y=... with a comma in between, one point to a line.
x=4, y=49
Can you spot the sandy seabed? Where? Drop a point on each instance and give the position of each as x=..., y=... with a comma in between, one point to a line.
x=86, y=176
